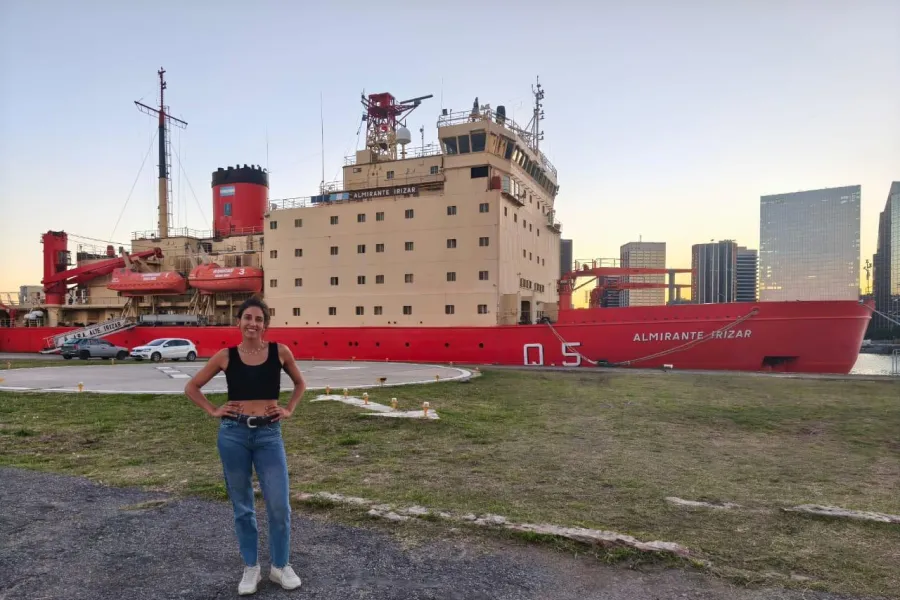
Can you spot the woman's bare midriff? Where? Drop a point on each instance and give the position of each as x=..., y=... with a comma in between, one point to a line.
x=255, y=408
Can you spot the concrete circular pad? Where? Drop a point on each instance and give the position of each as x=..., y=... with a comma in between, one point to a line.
x=170, y=377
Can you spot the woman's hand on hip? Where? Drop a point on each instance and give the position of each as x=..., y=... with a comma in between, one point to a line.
x=229, y=409
x=277, y=413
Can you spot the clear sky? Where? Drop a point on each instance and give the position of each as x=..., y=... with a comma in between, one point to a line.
x=665, y=120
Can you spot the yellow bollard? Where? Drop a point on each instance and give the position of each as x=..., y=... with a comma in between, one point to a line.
x=365, y=397
x=394, y=403
x=112, y=361
x=425, y=406
x=80, y=387
x=437, y=377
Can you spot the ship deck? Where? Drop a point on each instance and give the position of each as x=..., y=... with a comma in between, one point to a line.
x=170, y=377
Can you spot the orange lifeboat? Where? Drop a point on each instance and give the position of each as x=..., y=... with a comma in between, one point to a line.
x=211, y=279
x=131, y=283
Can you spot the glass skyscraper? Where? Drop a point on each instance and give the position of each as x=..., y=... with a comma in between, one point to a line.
x=809, y=245
x=714, y=277
x=747, y=268
x=886, y=263
x=649, y=255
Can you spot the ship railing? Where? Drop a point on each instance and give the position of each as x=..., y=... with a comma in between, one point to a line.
x=895, y=363
x=201, y=234
x=343, y=196
x=432, y=149
x=489, y=115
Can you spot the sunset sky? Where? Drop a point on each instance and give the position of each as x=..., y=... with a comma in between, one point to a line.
x=667, y=121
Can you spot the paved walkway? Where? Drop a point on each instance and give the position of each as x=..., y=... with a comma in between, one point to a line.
x=69, y=539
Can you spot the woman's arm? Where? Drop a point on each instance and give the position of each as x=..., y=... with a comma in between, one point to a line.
x=290, y=367
x=192, y=389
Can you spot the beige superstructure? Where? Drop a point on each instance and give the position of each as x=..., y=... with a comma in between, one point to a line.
x=460, y=235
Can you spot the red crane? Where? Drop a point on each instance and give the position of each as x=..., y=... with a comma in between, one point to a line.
x=57, y=277
x=607, y=278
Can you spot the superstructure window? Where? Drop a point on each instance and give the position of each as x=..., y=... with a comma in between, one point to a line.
x=273, y=224
x=434, y=169
x=379, y=247
x=408, y=278
x=298, y=222
x=334, y=220
x=482, y=309
x=407, y=310
x=379, y=279
x=360, y=248
x=296, y=312
x=332, y=311
x=483, y=241
x=298, y=252
x=378, y=310
x=482, y=275
x=379, y=216
x=478, y=141
x=361, y=279
x=273, y=253
x=390, y=175
x=298, y=282
x=360, y=311
x=451, y=210
x=361, y=218
x=451, y=275
x=484, y=207
x=479, y=172
x=450, y=146
x=449, y=309
x=408, y=246
x=334, y=250
x=451, y=243
x=463, y=144
x=334, y=281
x=273, y=283
x=409, y=214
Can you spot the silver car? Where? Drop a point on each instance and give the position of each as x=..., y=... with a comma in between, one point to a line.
x=92, y=348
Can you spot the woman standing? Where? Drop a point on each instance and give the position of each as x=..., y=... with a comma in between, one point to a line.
x=250, y=436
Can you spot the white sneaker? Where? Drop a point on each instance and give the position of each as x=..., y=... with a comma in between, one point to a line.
x=249, y=581
x=285, y=577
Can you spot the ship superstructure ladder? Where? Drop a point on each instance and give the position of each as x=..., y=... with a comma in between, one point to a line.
x=99, y=330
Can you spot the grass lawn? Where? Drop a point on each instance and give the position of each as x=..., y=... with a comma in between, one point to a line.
x=576, y=449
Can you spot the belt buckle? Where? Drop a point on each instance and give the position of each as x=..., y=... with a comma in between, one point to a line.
x=249, y=424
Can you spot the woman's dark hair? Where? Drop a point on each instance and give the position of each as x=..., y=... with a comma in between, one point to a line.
x=258, y=303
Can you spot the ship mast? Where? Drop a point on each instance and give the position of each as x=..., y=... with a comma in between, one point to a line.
x=382, y=116
x=165, y=157
x=534, y=126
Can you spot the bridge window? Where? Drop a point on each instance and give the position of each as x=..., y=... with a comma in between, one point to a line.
x=479, y=172
x=450, y=145
x=478, y=141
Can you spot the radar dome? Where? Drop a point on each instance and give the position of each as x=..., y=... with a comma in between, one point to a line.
x=403, y=135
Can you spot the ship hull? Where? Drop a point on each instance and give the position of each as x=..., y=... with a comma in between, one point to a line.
x=798, y=337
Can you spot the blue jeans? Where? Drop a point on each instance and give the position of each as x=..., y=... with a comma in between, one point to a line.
x=242, y=448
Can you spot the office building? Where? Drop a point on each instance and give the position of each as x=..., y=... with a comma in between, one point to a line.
x=747, y=270
x=886, y=262
x=809, y=245
x=646, y=255
x=566, y=262
x=714, y=277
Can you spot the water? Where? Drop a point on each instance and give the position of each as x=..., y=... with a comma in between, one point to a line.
x=872, y=364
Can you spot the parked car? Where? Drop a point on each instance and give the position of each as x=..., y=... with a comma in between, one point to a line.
x=166, y=348
x=86, y=348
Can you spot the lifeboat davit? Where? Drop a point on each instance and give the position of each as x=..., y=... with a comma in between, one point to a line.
x=131, y=283
x=212, y=278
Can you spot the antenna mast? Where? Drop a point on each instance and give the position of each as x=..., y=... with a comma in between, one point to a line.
x=165, y=155
x=534, y=125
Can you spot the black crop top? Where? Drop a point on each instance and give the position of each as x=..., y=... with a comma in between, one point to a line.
x=253, y=382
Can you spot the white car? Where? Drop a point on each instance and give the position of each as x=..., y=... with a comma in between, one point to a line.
x=166, y=348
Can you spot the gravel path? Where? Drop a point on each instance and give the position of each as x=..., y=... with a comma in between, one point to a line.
x=67, y=538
